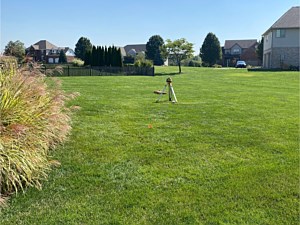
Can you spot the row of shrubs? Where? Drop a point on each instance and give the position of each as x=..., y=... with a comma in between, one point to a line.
x=139, y=62
x=33, y=120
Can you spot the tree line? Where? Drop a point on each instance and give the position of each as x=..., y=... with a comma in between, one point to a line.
x=157, y=50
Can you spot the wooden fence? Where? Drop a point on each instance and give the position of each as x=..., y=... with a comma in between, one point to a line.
x=102, y=71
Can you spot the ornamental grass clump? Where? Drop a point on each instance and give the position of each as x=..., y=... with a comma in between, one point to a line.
x=33, y=120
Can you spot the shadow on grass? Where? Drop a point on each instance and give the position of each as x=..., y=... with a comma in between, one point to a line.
x=166, y=74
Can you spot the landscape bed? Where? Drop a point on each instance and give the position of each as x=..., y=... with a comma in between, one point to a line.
x=226, y=153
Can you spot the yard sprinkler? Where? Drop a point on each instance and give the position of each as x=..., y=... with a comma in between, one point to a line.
x=171, y=92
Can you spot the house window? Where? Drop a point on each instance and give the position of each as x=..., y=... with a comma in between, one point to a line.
x=280, y=33
x=236, y=51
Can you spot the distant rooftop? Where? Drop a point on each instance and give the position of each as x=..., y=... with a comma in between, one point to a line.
x=242, y=43
x=138, y=48
x=291, y=19
x=43, y=44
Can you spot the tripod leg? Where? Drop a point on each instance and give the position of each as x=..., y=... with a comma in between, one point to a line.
x=160, y=95
x=173, y=92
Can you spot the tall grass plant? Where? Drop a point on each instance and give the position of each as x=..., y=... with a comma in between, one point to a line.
x=33, y=120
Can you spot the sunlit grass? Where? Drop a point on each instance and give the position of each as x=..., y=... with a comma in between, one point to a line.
x=227, y=153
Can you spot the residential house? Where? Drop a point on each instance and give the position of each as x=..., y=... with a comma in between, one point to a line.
x=235, y=50
x=281, y=41
x=44, y=51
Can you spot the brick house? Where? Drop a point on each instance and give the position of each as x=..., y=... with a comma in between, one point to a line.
x=281, y=41
x=235, y=50
x=44, y=51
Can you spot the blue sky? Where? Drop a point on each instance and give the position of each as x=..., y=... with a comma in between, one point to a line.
x=63, y=22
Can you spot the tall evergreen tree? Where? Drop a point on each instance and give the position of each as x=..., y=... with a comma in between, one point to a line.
x=113, y=56
x=82, y=46
x=98, y=55
x=116, y=52
x=260, y=49
x=119, y=59
x=87, y=58
x=94, y=56
x=211, y=51
x=62, y=57
x=153, y=50
x=101, y=57
x=109, y=55
x=106, y=56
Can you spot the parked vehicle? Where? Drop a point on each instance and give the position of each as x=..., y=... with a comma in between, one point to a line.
x=240, y=64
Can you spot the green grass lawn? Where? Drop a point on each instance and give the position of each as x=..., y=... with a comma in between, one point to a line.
x=227, y=153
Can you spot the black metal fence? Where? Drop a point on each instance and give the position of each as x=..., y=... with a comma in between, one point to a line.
x=101, y=71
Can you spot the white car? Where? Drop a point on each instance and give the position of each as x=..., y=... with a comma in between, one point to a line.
x=240, y=64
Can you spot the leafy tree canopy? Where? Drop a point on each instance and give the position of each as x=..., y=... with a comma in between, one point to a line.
x=179, y=50
x=153, y=50
x=16, y=49
x=82, y=46
x=211, y=51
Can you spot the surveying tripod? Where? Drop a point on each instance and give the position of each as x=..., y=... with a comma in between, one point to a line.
x=171, y=93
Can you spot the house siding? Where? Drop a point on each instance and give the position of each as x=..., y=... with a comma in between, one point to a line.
x=282, y=41
x=284, y=57
x=268, y=41
x=249, y=55
x=291, y=38
x=281, y=52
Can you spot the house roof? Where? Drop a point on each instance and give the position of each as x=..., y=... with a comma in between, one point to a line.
x=288, y=20
x=242, y=43
x=43, y=44
x=138, y=47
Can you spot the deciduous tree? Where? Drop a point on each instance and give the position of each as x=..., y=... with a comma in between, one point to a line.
x=178, y=50
x=16, y=49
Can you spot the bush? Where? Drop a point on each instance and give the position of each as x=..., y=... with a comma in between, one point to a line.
x=192, y=62
x=217, y=66
x=205, y=64
x=128, y=60
x=143, y=63
x=77, y=62
x=33, y=120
